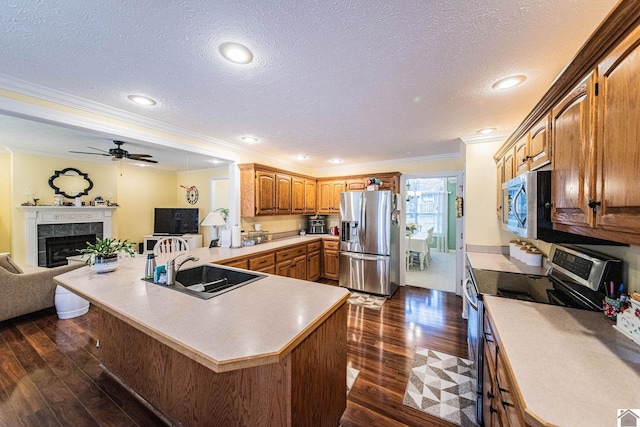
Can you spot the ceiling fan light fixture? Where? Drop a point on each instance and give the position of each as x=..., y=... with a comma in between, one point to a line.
x=486, y=131
x=249, y=139
x=142, y=100
x=509, y=82
x=236, y=53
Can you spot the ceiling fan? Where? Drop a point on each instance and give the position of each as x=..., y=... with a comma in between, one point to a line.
x=119, y=153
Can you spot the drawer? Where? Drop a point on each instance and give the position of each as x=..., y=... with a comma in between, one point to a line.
x=331, y=244
x=290, y=253
x=237, y=263
x=314, y=247
x=490, y=339
x=262, y=261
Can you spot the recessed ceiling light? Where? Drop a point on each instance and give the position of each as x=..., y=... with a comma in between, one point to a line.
x=236, y=53
x=486, y=130
x=335, y=161
x=249, y=139
x=215, y=161
x=509, y=82
x=300, y=157
x=142, y=100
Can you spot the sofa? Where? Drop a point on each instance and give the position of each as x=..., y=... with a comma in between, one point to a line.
x=23, y=292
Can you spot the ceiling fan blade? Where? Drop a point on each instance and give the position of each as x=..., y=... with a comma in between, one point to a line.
x=98, y=149
x=144, y=160
x=139, y=155
x=93, y=154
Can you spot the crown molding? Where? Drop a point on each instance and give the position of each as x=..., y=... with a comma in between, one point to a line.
x=479, y=139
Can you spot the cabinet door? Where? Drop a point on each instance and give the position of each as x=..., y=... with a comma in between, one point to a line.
x=539, y=152
x=313, y=266
x=270, y=269
x=324, y=197
x=309, y=195
x=239, y=263
x=521, y=153
x=499, y=182
x=298, y=202
x=356, y=184
x=509, y=166
x=331, y=268
x=266, y=193
x=571, y=152
x=489, y=401
x=619, y=137
x=285, y=268
x=283, y=194
x=337, y=188
x=299, y=267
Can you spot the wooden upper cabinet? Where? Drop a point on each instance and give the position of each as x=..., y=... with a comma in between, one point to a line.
x=618, y=148
x=310, y=195
x=540, y=144
x=329, y=195
x=269, y=191
x=572, y=121
x=298, y=202
x=283, y=194
x=266, y=193
x=509, y=166
x=521, y=155
x=499, y=182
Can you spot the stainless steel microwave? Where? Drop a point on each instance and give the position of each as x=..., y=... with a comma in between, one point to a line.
x=526, y=210
x=520, y=204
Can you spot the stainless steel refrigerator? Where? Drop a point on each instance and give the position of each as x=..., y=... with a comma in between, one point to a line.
x=369, y=239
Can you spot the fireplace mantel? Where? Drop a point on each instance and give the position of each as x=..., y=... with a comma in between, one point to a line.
x=36, y=215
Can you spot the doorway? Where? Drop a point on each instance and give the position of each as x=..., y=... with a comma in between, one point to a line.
x=431, y=231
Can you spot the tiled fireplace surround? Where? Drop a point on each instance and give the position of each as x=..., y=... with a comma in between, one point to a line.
x=54, y=221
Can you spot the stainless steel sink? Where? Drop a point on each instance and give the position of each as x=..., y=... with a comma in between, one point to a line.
x=207, y=281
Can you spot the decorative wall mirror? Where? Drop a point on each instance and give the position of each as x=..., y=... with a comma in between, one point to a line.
x=70, y=183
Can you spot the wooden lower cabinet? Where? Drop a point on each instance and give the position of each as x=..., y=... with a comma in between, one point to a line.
x=500, y=404
x=314, y=261
x=306, y=388
x=331, y=257
x=292, y=262
x=304, y=261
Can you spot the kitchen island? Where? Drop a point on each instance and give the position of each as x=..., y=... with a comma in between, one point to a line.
x=272, y=352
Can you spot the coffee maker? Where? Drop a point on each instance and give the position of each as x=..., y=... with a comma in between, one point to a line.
x=317, y=225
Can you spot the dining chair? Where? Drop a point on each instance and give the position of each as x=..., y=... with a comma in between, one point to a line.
x=429, y=241
x=168, y=245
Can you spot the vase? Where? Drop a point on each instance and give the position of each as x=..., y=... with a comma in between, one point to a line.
x=105, y=264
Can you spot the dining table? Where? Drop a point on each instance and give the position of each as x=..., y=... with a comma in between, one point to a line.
x=419, y=243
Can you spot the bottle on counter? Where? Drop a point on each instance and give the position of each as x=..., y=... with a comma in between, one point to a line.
x=150, y=267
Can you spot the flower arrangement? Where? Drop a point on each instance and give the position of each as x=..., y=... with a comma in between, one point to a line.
x=411, y=228
x=106, y=248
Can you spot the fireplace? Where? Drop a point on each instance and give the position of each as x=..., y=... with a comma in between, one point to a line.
x=43, y=222
x=57, y=249
x=56, y=242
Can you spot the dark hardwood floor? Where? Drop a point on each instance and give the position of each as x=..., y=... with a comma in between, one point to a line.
x=50, y=374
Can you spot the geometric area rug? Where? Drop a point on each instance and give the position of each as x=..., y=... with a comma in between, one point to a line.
x=443, y=386
x=366, y=300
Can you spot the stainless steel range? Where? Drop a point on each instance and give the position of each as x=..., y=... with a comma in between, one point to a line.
x=577, y=278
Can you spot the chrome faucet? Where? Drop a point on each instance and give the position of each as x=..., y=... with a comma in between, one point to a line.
x=172, y=270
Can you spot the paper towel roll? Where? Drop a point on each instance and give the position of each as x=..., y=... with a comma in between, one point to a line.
x=235, y=237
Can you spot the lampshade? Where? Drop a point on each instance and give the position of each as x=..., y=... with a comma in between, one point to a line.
x=213, y=219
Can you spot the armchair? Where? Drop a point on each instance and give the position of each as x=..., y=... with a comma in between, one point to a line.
x=26, y=292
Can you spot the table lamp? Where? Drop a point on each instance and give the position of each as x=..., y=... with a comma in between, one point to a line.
x=214, y=219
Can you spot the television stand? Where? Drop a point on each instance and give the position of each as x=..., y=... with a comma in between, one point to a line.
x=193, y=240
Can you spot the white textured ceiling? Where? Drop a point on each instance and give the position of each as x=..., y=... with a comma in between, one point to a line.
x=366, y=81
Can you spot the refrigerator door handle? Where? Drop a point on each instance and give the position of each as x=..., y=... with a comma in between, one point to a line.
x=365, y=257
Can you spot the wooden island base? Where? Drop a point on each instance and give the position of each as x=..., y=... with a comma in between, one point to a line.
x=307, y=387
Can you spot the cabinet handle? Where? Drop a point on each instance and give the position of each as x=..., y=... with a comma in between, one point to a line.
x=489, y=395
x=594, y=205
x=506, y=403
x=492, y=410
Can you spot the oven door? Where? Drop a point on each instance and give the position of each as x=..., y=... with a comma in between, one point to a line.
x=475, y=335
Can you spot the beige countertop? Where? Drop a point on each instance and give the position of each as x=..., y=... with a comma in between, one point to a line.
x=501, y=262
x=255, y=324
x=571, y=366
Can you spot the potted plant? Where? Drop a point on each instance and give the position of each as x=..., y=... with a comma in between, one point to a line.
x=411, y=228
x=103, y=255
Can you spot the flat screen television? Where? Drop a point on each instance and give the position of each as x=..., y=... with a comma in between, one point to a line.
x=175, y=221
